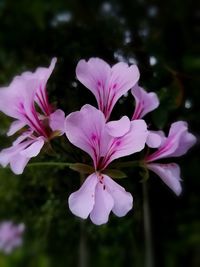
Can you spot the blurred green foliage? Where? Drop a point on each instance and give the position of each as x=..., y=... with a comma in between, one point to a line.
x=161, y=37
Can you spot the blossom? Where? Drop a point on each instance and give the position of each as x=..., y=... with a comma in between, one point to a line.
x=41, y=76
x=145, y=102
x=10, y=236
x=20, y=101
x=178, y=142
x=17, y=100
x=22, y=150
x=107, y=83
x=104, y=142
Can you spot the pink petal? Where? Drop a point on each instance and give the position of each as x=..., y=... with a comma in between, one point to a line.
x=18, y=163
x=106, y=83
x=8, y=153
x=95, y=71
x=22, y=137
x=34, y=149
x=145, y=102
x=122, y=79
x=41, y=73
x=40, y=77
x=186, y=139
x=5, y=156
x=103, y=205
x=132, y=142
x=10, y=236
x=16, y=95
x=19, y=154
x=85, y=129
x=123, y=201
x=82, y=201
x=169, y=174
x=57, y=121
x=17, y=101
x=15, y=127
x=176, y=144
x=154, y=139
x=118, y=128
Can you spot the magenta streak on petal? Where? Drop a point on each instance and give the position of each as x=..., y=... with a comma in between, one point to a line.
x=95, y=144
x=138, y=111
x=107, y=101
x=43, y=131
x=160, y=151
x=43, y=99
x=100, y=104
x=104, y=99
x=47, y=102
x=102, y=96
x=111, y=94
x=37, y=127
x=110, y=106
x=106, y=160
x=41, y=103
x=96, y=157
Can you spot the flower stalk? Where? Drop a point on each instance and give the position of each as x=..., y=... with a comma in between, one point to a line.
x=51, y=163
x=149, y=257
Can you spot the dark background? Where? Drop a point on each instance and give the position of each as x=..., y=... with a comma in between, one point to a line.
x=162, y=38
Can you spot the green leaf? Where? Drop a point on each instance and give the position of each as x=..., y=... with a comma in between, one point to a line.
x=82, y=168
x=117, y=174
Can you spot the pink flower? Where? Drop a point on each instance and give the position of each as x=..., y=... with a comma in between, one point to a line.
x=98, y=195
x=178, y=142
x=10, y=236
x=23, y=149
x=107, y=83
x=145, y=102
x=18, y=101
x=40, y=76
x=104, y=142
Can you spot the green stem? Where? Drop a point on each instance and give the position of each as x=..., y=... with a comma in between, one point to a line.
x=127, y=164
x=50, y=163
x=149, y=259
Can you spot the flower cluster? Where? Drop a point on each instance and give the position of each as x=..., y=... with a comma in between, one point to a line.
x=20, y=101
x=91, y=130
x=10, y=236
